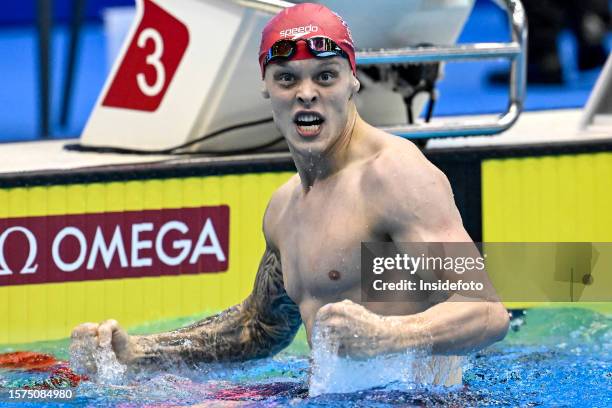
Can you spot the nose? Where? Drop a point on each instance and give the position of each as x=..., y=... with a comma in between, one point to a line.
x=307, y=93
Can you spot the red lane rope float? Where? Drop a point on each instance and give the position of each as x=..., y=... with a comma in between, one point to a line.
x=27, y=361
x=61, y=376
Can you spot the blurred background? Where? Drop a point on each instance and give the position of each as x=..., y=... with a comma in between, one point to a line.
x=569, y=42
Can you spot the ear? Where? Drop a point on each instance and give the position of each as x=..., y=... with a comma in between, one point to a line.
x=355, y=87
x=264, y=92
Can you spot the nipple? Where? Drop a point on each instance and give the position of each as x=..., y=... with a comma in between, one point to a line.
x=334, y=275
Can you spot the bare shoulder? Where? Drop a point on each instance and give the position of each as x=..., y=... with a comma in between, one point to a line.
x=276, y=207
x=401, y=170
x=411, y=197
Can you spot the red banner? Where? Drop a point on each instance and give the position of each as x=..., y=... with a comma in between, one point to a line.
x=114, y=245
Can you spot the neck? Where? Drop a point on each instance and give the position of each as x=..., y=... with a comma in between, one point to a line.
x=314, y=166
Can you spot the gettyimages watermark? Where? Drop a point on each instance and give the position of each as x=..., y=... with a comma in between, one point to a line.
x=510, y=272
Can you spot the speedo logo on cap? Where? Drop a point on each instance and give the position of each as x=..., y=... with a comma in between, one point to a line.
x=297, y=32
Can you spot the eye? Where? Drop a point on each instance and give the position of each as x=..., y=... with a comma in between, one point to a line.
x=327, y=76
x=285, y=78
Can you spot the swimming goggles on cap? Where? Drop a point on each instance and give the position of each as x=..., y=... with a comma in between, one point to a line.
x=320, y=47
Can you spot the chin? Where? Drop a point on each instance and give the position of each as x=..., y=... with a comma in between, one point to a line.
x=319, y=141
x=308, y=146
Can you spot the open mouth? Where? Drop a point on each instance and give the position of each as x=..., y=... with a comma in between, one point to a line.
x=308, y=123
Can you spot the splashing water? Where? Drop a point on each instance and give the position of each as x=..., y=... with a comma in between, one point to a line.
x=559, y=357
x=110, y=370
x=406, y=371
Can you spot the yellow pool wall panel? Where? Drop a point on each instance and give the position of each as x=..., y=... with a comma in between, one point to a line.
x=48, y=311
x=536, y=199
x=563, y=198
x=558, y=198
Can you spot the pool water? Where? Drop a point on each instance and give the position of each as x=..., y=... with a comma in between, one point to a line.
x=558, y=357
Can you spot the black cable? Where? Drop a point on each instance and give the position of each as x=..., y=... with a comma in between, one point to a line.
x=430, y=106
x=429, y=90
x=410, y=98
x=173, y=150
x=220, y=132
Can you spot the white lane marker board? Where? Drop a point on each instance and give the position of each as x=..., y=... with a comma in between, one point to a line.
x=155, y=94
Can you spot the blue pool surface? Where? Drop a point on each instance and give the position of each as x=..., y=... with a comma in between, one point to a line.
x=558, y=357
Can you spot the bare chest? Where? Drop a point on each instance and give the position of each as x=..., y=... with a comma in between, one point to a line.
x=321, y=245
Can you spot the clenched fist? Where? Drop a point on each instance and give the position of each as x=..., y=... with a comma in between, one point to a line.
x=355, y=331
x=90, y=341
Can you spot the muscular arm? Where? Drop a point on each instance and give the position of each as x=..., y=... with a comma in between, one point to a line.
x=421, y=209
x=464, y=321
x=260, y=326
x=415, y=205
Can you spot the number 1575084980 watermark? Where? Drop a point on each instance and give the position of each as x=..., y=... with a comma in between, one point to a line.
x=16, y=394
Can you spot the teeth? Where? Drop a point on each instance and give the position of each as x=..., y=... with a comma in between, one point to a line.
x=309, y=128
x=307, y=118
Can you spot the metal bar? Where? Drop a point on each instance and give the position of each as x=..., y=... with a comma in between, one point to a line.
x=518, y=72
x=44, y=22
x=516, y=51
x=457, y=129
x=601, y=96
x=434, y=54
x=268, y=6
x=78, y=9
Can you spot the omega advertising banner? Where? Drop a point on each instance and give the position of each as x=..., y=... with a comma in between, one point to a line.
x=136, y=250
x=113, y=245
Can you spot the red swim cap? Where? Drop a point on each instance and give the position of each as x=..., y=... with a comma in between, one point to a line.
x=306, y=20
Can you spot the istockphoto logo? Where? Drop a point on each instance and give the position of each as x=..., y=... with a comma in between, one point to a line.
x=114, y=245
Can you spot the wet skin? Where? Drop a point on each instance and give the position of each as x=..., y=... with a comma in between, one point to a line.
x=354, y=184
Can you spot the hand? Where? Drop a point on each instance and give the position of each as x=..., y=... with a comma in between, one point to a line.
x=356, y=331
x=89, y=339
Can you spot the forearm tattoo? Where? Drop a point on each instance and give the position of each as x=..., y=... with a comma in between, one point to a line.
x=260, y=326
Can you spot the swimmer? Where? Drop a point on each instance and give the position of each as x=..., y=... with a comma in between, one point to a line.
x=354, y=184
